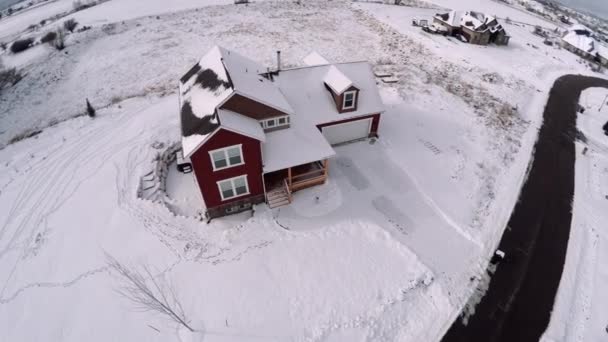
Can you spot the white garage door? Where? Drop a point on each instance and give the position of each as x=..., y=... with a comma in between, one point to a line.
x=347, y=131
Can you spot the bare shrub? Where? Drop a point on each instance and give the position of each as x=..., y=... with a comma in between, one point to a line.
x=149, y=293
x=59, y=42
x=24, y=135
x=70, y=24
x=9, y=77
x=90, y=109
x=21, y=45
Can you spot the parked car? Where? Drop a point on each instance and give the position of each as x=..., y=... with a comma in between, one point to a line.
x=436, y=29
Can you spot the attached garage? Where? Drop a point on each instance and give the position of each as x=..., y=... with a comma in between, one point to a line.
x=349, y=130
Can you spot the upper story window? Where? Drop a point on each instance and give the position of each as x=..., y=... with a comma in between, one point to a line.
x=350, y=98
x=275, y=122
x=233, y=187
x=227, y=157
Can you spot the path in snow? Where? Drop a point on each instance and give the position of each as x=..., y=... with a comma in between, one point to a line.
x=518, y=304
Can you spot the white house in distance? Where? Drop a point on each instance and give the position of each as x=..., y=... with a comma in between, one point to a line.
x=580, y=40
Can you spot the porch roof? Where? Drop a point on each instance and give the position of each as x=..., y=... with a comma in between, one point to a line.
x=297, y=145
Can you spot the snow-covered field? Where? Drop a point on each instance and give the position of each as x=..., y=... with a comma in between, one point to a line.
x=580, y=311
x=389, y=250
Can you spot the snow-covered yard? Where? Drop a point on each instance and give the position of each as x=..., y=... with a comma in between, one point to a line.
x=330, y=278
x=390, y=249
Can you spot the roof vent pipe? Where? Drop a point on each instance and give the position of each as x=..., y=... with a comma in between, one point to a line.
x=278, y=60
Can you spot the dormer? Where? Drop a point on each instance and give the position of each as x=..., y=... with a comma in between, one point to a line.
x=342, y=90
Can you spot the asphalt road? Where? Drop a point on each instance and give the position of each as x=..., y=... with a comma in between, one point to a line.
x=518, y=303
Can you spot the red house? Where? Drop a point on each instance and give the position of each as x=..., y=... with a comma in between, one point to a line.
x=254, y=135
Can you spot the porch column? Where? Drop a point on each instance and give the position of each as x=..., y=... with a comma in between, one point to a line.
x=289, y=177
x=325, y=169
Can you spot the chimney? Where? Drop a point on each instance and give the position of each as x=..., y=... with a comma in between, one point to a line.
x=278, y=60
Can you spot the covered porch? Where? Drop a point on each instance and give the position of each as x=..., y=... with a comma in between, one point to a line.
x=282, y=183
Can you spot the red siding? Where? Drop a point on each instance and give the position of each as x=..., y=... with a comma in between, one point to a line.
x=207, y=178
x=248, y=107
x=373, y=130
x=339, y=99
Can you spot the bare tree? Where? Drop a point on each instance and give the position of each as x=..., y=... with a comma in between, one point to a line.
x=148, y=292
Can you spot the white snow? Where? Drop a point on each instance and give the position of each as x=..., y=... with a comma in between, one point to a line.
x=314, y=58
x=427, y=202
x=305, y=90
x=336, y=80
x=299, y=144
x=241, y=124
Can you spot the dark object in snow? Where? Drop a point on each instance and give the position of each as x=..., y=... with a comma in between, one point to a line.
x=183, y=165
x=70, y=24
x=580, y=109
x=48, y=37
x=9, y=77
x=238, y=2
x=59, y=41
x=90, y=109
x=605, y=128
x=190, y=73
x=585, y=150
x=497, y=257
x=21, y=45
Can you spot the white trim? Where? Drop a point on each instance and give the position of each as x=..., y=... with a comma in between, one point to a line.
x=225, y=150
x=275, y=119
x=231, y=180
x=369, y=128
x=354, y=92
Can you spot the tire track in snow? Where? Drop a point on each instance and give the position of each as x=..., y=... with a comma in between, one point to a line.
x=53, y=284
x=56, y=179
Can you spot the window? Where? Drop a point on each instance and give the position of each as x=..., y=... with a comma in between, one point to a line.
x=226, y=157
x=275, y=122
x=349, y=99
x=233, y=187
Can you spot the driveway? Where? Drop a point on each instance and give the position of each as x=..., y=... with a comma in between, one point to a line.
x=518, y=303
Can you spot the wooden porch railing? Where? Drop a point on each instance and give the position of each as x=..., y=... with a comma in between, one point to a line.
x=307, y=179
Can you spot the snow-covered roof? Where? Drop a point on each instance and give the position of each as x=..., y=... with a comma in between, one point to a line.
x=475, y=20
x=245, y=75
x=314, y=58
x=580, y=41
x=241, y=124
x=451, y=18
x=305, y=90
x=278, y=150
x=336, y=80
x=210, y=82
x=300, y=92
x=580, y=28
x=470, y=19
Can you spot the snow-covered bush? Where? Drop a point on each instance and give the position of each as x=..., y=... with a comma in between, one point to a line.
x=49, y=37
x=21, y=45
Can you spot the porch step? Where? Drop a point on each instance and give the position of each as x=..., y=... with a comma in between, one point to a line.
x=277, y=198
x=273, y=205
